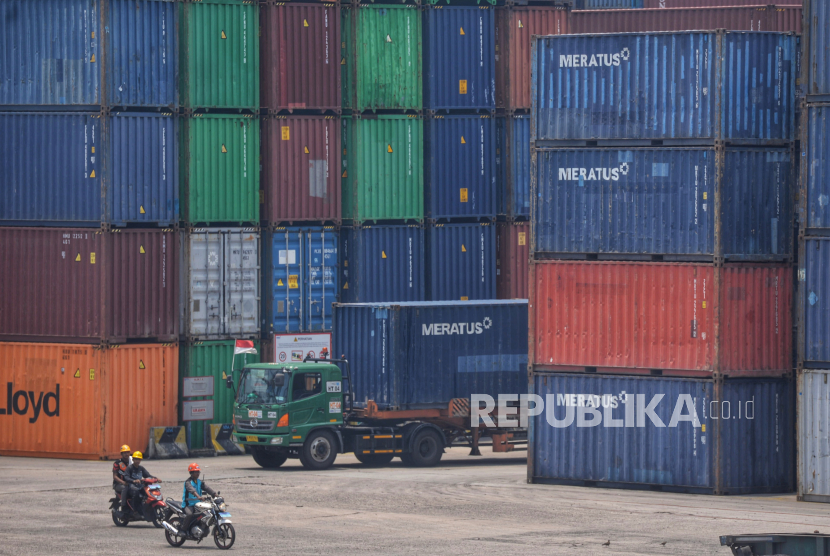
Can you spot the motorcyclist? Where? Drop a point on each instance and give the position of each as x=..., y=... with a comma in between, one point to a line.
x=134, y=477
x=193, y=488
x=119, y=470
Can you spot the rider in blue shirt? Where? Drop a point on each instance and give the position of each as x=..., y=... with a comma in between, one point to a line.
x=193, y=489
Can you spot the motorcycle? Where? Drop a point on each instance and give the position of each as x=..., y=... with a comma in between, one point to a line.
x=147, y=505
x=209, y=512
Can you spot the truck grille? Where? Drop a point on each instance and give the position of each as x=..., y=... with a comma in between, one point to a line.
x=246, y=425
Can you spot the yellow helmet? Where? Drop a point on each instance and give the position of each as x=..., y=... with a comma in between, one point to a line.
x=138, y=455
x=125, y=448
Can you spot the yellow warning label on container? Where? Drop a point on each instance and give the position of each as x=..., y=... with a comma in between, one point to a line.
x=286, y=133
x=462, y=86
x=463, y=249
x=703, y=304
x=389, y=149
x=522, y=238
x=702, y=428
x=346, y=286
x=141, y=249
x=462, y=30
x=77, y=374
x=224, y=149
x=92, y=374
x=463, y=194
x=383, y=254
x=279, y=282
x=92, y=60
x=704, y=195
x=93, y=34
x=224, y=36
x=463, y=141
x=78, y=258
x=464, y=298
x=141, y=364
x=92, y=174
x=345, y=174
x=306, y=150
x=92, y=258
x=520, y=24
x=342, y=61
x=305, y=23
x=292, y=282
x=93, y=150
x=141, y=210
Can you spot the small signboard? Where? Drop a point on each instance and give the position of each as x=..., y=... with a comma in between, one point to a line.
x=197, y=386
x=201, y=410
x=293, y=348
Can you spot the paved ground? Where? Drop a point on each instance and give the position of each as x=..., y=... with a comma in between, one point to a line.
x=465, y=506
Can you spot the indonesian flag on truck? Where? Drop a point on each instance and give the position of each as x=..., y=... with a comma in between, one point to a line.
x=244, y=346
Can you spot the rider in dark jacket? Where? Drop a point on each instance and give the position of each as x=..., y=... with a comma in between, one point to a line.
x=134, y=477
x=193, y=489
x=119, y=470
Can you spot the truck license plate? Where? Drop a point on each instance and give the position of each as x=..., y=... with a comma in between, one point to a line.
x=252, y=438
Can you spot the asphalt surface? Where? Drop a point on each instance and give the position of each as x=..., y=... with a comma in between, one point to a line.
x=464, y=506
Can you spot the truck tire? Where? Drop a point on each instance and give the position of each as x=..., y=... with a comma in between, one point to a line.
x=269, y=460
x=374, y=460
x=319, y=450
x=427, y=449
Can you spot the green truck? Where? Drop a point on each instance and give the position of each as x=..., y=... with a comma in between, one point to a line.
x=302, y=410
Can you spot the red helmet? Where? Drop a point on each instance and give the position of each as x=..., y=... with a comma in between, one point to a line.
x=193, y=467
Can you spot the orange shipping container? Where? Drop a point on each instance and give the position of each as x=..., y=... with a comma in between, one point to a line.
x=83, y=402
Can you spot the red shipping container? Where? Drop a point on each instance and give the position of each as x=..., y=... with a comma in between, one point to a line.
x=299, y=56
x=741, y=18
x=708, y=3
x=300, y=169
x=694, y=318
x=87, y=285
x=512, y=253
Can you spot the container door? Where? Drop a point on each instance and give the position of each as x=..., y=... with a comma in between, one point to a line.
x=287, y=307
x=206, y=263
x=242, y=283
x=321, y=279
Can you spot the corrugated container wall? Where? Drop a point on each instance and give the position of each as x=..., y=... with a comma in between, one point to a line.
x=462, y=262
x=500, y=123
x=220, y=169
x=420, y=355
x=816, y=173
x=664, y=201
x=699, y=437
x=300, y=168
x=817, y=49
x=736, y=18
x=382, y=264
x=82, y=414
x=709, y=3
x=212, y=359
x=815, y=299
x=813, y=442
x=383, y=168
x=300, y=63
x=523, y=23
x=300, y=273
x=607, y=4
x=709, y=75
x=500, y=26
x=466, y=78
x=347, y=47
x=735, y=319
x=512, y=254
x=388, y=57
x=518, y=189
x=85, y=285
x=460, y=167
x=222, y=283
x=220, y=54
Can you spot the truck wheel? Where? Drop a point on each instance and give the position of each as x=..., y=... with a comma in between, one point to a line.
x=374, y=460
x=426, y=450
x=319, y=450
x=269, y=460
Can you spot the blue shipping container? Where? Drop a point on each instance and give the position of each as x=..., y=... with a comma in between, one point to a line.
x=519, y=185
x=500, y=123
x=459, y=57
x=598, y=428
x=692, y=85
x=299, y=279
x=662, y=201
x=420, y=355
x=814, y=282
x=462, y=262
x=460, y=166
x=382, y=264
x=817, y=172
x=609, y=4
x=817, y=51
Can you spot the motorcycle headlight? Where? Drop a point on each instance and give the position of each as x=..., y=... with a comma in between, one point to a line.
x=222, y=507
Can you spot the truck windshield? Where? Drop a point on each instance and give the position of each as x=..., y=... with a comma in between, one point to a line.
x=265, y=386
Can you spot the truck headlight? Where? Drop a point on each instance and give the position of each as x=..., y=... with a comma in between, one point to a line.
x=276, y=440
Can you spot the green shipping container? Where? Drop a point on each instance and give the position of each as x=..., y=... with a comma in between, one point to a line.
x=346, y=57
x=383, y=168
x=220, y=54
x=388, y=59
x=211, y=359
x=220, y=182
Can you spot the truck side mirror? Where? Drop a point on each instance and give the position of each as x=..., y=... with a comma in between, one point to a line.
x=229, y=381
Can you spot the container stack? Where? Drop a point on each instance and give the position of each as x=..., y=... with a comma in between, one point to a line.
x=90, y=201
x=661, y=260
x=814, y=261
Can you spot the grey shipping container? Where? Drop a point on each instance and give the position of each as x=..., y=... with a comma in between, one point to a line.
x=664, y=201
x=422, y=355
x=814, y=288
x=221, y=283
x=815, y=171
x=462, y=262
x=382, y=264
x=813, y=440
x=675, y=434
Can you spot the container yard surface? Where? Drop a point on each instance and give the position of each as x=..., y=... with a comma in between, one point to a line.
x=468, y=506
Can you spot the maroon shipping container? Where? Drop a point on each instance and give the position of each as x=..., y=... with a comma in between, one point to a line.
x=736, y=18
x=672, y=317
x=708, y=3
x=300, y=168
x=87, y=285
x=512, y=253
x=300, y=46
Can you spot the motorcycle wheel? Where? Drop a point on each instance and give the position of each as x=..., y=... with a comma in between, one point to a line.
x=159, y=515
x=224, y=536
x=174, y=540
x=119, y=521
